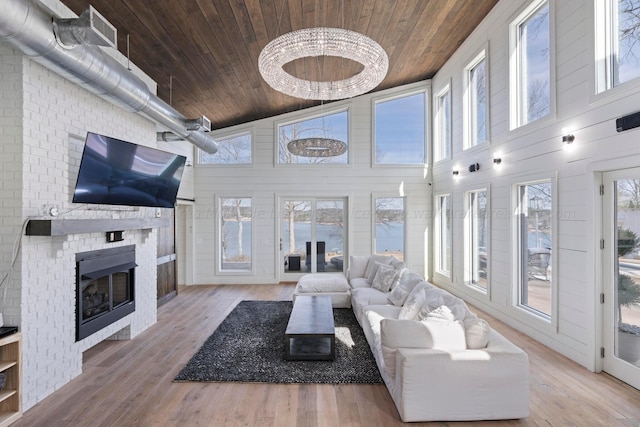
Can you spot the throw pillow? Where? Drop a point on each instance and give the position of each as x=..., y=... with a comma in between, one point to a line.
x=446, y=335
x=397, y=264
x=384, y=278
x=370, y=271
x=476, y=331
x=405, y=283
x=412, y=305
x=373, y=271
x=357, y=266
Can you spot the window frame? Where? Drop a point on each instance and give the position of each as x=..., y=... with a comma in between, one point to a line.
x=441, y=133
x=316, y=114
x=439, y=257
x=227, y=136
x=605, y=42
x=516, y=80
x=469, y=238
x=218, y=232
x=469, y=139
x=541, y=320
x=425, y=91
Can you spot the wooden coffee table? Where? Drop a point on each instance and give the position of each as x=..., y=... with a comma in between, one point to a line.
x=311, y=333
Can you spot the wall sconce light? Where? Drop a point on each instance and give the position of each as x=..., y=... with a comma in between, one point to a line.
x=568, y=139
x=188, y=163
x=497, y=161
x=456, y=172
x=474, y=167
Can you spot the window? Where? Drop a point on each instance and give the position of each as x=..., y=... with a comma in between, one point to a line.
x=400, y=131
x=443, y=125
x=530, y=65
x=443, y=234
x=476, y=96
x=535, y=242
x=617, y=47
x=476, y=227
x=232, y=150
x=332, y=127
x=389, y=227
x=235, y=234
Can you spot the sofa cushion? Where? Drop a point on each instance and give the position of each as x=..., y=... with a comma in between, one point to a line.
x=413, y=304
x=397, y=333
x=372, y=267
x=317, y=283
x=476, y=332
x=436, y=297
x=359, y=282
x=363, y=297
x=404, y=284
x=397, y=264
x=357, y=266
x=384, y=278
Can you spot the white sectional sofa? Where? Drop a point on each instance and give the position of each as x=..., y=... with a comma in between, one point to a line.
x=439, y=361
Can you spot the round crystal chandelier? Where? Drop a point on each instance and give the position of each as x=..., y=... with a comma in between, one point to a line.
x=323, y=41
x=317, y=147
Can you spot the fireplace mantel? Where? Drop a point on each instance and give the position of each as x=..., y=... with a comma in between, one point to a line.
x=62, y=227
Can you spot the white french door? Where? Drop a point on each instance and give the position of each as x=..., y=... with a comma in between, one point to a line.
x=312, y=236
x=621, y=274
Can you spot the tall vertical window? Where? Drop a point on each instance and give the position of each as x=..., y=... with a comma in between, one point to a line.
x=232, y=150
x=530, y=65
x=389, y=227
x=535, y=241
x=617, y=48
x=318, y=140
x=443, y=234
x=235, y=234
x=400, y=130
x=443, y=125
x=476, y=100
x=476, y=235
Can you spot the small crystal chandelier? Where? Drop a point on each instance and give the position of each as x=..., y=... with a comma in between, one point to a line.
x=317, y=147
x=316, y=42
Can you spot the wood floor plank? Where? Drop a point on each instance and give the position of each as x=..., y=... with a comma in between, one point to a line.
x=130, y=383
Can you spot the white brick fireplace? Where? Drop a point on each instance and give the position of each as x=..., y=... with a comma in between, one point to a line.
x=44, y=119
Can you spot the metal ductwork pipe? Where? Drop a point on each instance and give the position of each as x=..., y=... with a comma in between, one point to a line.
x=29, y=28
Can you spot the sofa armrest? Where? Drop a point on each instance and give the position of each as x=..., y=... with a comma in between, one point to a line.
x=489, y=383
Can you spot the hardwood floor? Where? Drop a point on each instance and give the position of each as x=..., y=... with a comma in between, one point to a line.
x=129, y=383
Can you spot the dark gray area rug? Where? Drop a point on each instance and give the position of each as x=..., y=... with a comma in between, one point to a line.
x=248, y=346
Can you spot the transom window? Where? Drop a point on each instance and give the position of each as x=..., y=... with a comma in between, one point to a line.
x=322, y=132
x=476, y=102
x=617, y=47
x=400, y=130
x=232, y=150
x=530, y=65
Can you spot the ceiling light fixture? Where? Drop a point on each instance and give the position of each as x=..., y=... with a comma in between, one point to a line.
x=323, y=41
x=317, y=147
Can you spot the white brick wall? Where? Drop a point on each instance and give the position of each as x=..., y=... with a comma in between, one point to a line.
x=44, y=120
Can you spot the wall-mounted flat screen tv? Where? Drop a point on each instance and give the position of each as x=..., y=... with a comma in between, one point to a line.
x=116, y=172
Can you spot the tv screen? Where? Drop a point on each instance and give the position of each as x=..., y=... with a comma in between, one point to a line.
x=115, y=172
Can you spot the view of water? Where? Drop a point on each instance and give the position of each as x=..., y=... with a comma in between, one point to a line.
x=389, y=237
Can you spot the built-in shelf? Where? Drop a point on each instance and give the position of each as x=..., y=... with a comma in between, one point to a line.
x=62, y=227
x=11, y=366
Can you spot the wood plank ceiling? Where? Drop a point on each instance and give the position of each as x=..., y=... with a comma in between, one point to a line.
x=204, y=53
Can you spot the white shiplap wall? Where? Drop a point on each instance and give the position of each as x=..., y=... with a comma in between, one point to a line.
x=535, y=151
x=265, y=181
